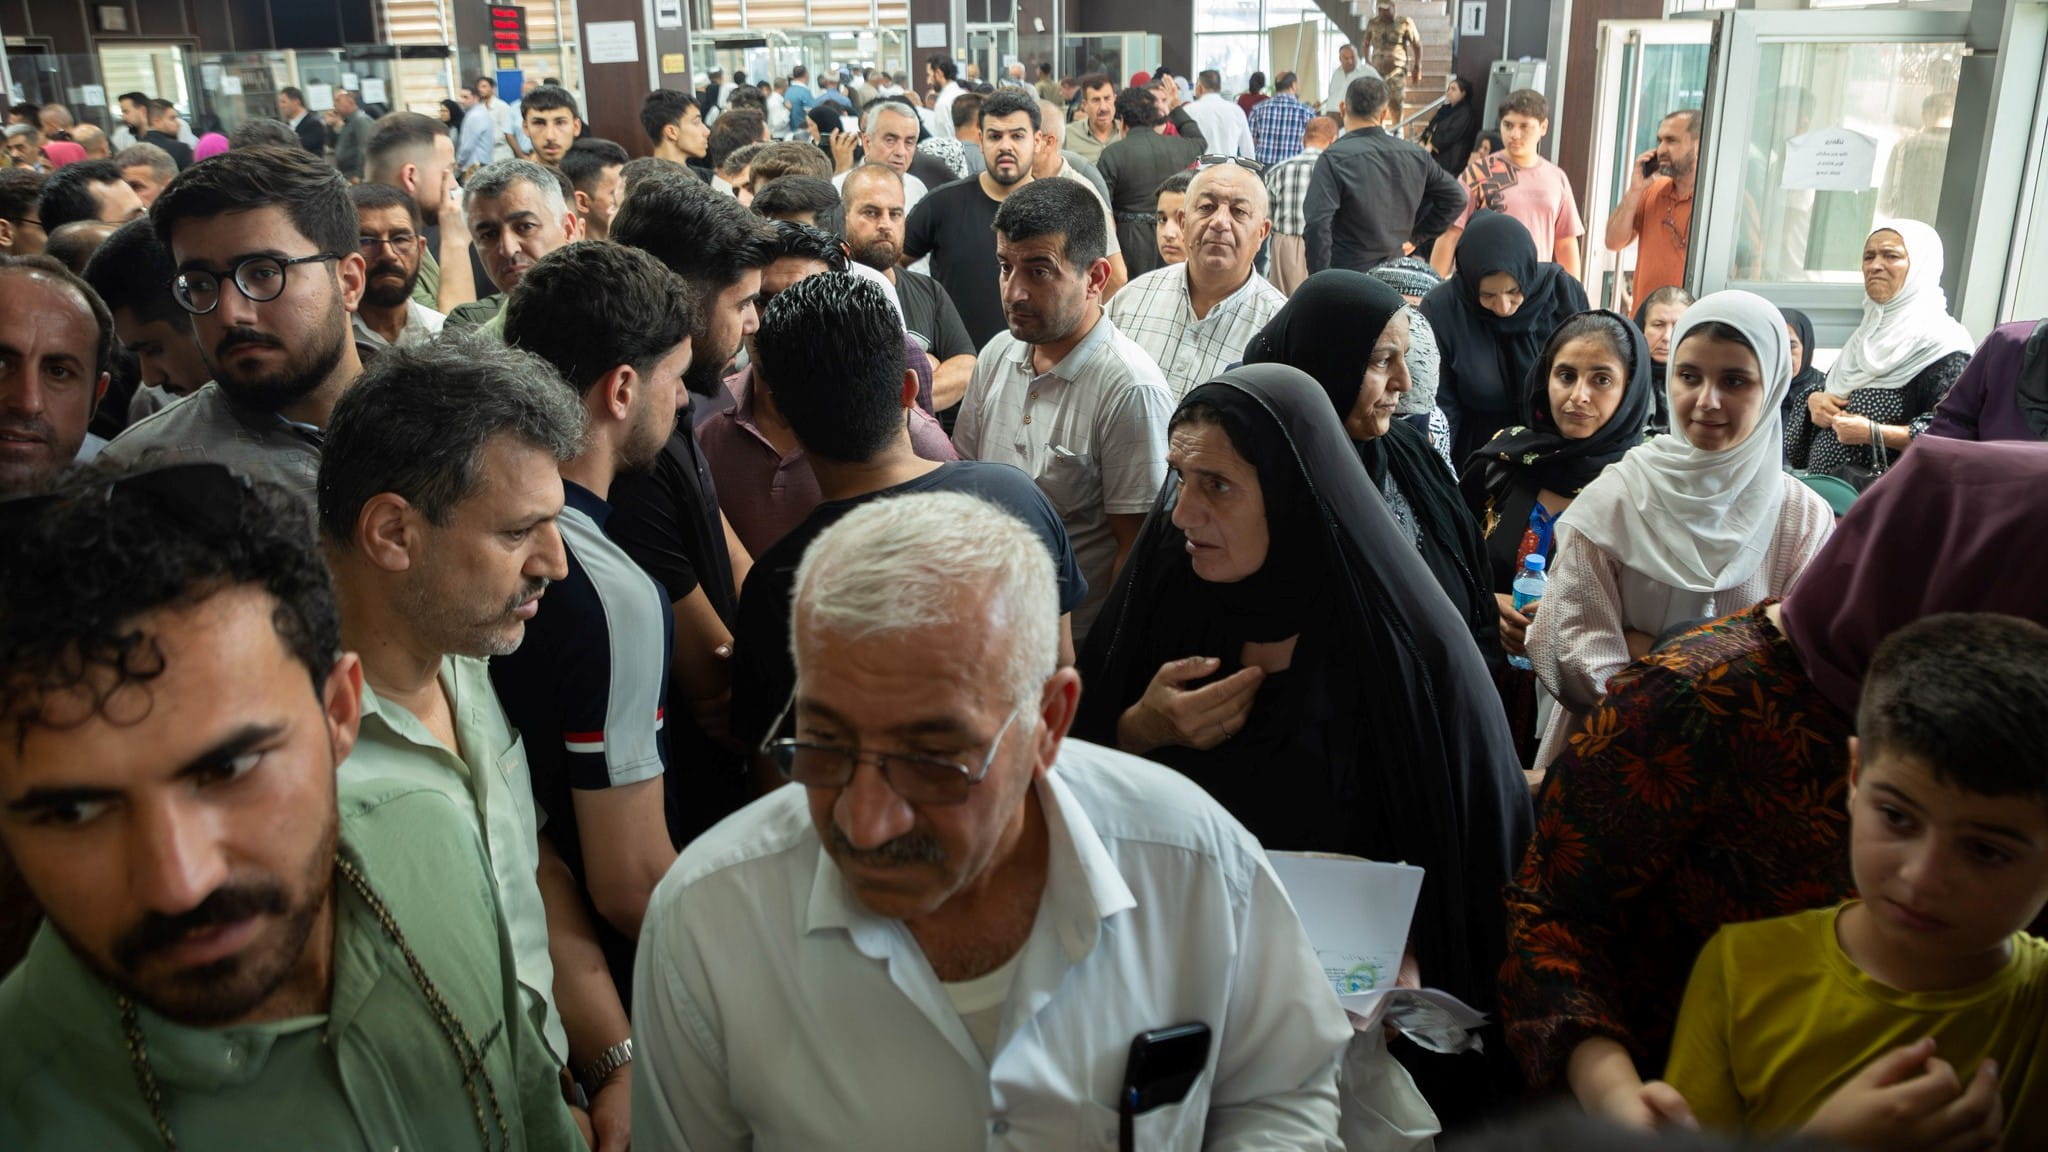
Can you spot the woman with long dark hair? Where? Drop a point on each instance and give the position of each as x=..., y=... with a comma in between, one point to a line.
x=1453, y=128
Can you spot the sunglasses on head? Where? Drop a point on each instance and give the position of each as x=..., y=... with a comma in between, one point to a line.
x=1241, y=162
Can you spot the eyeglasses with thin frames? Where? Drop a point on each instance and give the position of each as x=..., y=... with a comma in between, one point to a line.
x=922, y=780
x=259, y=278
x=399, y=243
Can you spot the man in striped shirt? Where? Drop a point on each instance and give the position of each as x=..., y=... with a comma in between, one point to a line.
x=1278, y=124
x=1287, y=186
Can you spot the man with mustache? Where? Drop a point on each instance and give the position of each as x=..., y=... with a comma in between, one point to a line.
x=1196, y=317
x=874, y=210
x=56, y=345
x=669, y=520
x=390, y=235
x=264, y=240
x=1062, y=394
x=953, y=224
x=586, y=689
x=519, y=212
x=440, y=508
x=237, y=953
x=961, y=920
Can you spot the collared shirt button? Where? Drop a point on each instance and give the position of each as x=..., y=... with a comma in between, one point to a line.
x=234, y=1054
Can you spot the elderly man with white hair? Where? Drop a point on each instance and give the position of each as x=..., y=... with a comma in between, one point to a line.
x=951, y=932
x=888, y=135
x=1196, y=317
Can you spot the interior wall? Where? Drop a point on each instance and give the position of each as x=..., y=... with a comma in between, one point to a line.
x=1530, y=36
x=1571, y=114
x=1174, y=24
x=72, y=27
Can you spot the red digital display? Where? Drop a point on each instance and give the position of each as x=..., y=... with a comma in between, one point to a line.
x=508, y=28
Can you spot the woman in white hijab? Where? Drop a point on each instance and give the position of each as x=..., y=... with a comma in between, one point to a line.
x=1897, y=366
x=1697, y=523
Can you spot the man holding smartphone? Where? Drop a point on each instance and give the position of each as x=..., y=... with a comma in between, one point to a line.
x=1655, y=212
x=950, y=934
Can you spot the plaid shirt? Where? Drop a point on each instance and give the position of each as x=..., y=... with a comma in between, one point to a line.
x=1287, y=188
x=1155, y=312
x=1277, y=125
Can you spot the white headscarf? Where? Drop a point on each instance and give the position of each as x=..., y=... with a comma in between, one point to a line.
x=1905, y=334
x=1690, y=518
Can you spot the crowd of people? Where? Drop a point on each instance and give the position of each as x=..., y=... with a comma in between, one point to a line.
x=435, y=543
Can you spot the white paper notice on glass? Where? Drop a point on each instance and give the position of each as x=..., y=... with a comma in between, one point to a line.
x=931, y=35
x=351, y=81
x=373, y=91
x=94, y=96
x=319, y=97
x=231, y=85
x=1831, y=160
x=611, y=42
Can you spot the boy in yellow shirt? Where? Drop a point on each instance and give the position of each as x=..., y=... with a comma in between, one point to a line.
x=1917, y=1016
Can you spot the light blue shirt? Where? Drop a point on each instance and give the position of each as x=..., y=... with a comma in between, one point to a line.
x=479, y=132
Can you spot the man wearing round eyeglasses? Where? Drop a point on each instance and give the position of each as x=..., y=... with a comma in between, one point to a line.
x=388, y=234
x=265, y=243
x=961, y=920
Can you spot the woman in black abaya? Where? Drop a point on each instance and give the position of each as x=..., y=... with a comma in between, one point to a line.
x=1365, y=376
x=1275, y=637
x=1491, y=319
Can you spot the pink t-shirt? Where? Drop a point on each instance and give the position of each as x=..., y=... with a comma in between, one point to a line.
x=1540, y=196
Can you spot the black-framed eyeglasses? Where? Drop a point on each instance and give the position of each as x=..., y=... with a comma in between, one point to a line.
x=260, y=278
x=1241, y=162
x=921, y=780
x=22, y=220
x=400, y=243
x=206, y=498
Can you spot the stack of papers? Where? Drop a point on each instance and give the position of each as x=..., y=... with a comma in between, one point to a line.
x=1356, y=913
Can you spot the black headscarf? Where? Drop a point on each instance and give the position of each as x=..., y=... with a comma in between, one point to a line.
x=1660, y=404
x=1359, y=306
x=1454, y=129
x=1386, y=739
x=1535, y=451
x=1803, y=373
x=1486, y=357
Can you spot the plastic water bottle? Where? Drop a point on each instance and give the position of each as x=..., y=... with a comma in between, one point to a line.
x=1529, y=587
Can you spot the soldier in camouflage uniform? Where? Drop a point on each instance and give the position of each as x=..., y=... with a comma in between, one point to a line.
x=1395, y=48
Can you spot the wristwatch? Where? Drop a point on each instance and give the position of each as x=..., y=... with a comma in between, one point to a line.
x=608, y=1061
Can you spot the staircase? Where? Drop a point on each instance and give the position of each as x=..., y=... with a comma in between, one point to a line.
x=1433, y=19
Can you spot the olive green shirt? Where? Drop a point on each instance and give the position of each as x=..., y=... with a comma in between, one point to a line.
x=487, y=773
x=374, y=1073
x=427, y=289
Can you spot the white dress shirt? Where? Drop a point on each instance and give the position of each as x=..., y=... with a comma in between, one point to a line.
x=1157, y=313
x=1224, y=126
x=1091, y=431
x=1340, y=83
x=772, y=1010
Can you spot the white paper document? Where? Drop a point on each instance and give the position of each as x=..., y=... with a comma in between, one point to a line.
x=1357, y=913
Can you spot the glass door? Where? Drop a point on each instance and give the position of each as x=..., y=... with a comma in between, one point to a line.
x=1824, y=126
x=1644, y=70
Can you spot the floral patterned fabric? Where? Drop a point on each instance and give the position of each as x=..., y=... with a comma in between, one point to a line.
x=1707, y=789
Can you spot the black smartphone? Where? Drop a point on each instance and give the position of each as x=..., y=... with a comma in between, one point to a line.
x=1163, y=1065
x=1650, y=165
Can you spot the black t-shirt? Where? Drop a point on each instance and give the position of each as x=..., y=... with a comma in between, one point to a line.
x=763, y=674
x=667, y=521
x=930, y=318
x=955, y=225
x=181, y=152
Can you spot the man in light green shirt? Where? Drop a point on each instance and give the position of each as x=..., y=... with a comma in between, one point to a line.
x=238, y=954
x=439, y=489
